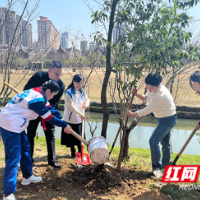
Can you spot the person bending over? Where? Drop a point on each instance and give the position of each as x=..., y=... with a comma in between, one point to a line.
x=14, y=119
x=161, y=103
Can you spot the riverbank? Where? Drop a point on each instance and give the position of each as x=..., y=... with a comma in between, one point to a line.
x=184, y=112
x=75, y=184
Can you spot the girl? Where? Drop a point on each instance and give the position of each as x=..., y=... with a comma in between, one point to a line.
x=75, y=101
x=14, y=119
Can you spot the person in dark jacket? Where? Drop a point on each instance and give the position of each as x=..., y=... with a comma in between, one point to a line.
x=54, y=73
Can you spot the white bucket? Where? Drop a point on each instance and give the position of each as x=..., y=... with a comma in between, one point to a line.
x=98, y=150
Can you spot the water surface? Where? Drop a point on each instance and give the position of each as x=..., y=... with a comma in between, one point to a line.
x=139, y=136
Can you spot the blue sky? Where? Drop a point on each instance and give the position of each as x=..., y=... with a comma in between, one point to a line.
x=65, y=14
x=75, y=15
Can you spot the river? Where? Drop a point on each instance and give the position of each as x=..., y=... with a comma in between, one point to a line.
x=139, y=136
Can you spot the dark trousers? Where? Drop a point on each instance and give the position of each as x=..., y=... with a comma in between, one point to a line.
x=69, y=140
x=50, y=138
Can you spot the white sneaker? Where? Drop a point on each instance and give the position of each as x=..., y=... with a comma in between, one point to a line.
x=32, y=179
x=10, y=197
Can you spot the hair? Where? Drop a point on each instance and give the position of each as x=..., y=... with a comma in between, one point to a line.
x=56, y=64
x=76, y=78
x=195, y=77
x=52, y=85
x=153, y=79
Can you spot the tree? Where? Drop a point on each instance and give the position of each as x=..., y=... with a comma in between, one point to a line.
x=12, y=27
x=156, y=33
x=47, y=63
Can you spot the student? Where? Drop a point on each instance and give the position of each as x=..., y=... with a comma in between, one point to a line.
x=75, y=101
x=14, y=119
x=161, y=103
x=54, y=73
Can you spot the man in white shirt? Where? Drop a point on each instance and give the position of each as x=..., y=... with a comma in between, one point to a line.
x=161, y=103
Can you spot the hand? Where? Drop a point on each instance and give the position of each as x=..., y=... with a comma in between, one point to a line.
x=82, y=117
x=84, y=105
x=130, y=114
x=198, y=125
x=134, y=91
x=67, y=129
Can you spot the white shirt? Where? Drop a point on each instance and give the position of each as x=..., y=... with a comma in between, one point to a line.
x=73, y=106
x=160, y=103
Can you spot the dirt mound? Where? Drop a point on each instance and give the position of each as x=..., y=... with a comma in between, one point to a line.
x=89, y=182
x=111, y=180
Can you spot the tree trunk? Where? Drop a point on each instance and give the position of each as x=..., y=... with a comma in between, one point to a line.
x=126, y=145
x=108, y=71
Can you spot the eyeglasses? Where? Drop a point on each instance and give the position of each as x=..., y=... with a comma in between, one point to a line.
x=57, y=74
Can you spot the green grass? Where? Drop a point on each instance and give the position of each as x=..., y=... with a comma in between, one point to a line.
x=138, y=157
x=176, y=194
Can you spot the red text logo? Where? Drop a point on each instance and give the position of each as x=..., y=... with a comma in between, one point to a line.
x=181, y=173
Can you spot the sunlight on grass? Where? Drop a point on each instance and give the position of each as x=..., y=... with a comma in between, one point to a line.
x=93, y=88
x=138, y=157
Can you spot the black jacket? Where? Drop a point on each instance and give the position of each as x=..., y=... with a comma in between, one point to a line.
x=41, y=77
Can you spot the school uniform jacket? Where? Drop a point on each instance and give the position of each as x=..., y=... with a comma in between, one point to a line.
x=26, y=106
x=77, y=100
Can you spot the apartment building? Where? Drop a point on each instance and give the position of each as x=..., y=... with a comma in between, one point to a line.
x=7, y=24
x=48, y=36
x=13, y=29
x=26, y=34
x=92, y=45
x=65, y=40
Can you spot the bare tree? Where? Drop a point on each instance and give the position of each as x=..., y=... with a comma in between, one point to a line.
x=12, y=29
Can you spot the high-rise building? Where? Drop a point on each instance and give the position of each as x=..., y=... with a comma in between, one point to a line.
x=27, y=34
x=7, y=24
x=48, y=36
x=65, y=40
x=30, y=39
x=83, y=46
x=19, y=31
x=118, y=31
x=9, y=21
x=92, y=45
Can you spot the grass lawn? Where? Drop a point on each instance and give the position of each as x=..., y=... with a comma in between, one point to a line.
x=71, y=183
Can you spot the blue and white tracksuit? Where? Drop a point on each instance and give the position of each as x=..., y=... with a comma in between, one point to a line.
x=14, y=119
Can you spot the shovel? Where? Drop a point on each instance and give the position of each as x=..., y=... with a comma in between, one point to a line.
x=159, y=171
x=82, y=158
x=11, y=87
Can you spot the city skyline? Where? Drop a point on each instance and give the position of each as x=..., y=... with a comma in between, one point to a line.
x=10, y=22
x=74, y=16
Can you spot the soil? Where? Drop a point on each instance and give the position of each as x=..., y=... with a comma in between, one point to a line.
x=88, y=182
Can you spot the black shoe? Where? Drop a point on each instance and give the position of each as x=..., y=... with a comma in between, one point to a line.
x=73, y=155
x=55, y=165
x=151, y=175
